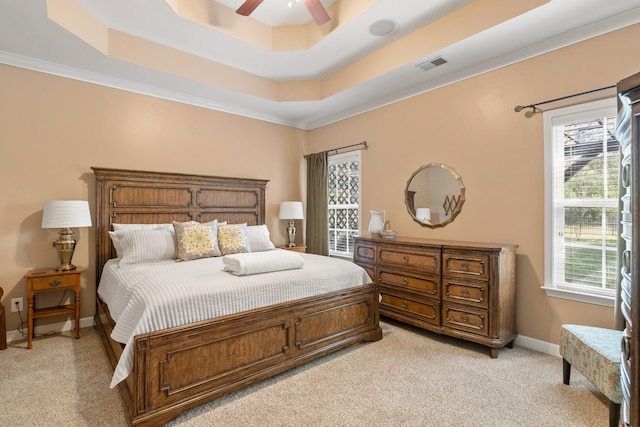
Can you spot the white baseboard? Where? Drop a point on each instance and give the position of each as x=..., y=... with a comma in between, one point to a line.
x=68, y=325
x=538, y=345
x=531, y=343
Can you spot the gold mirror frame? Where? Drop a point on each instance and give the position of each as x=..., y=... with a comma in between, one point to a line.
x=444, y=203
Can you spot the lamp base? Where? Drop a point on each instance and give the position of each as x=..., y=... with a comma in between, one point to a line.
x=291, y=231
x=65, y=267
x=65, y=246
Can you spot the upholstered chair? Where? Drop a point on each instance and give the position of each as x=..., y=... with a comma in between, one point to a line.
x=595, y=353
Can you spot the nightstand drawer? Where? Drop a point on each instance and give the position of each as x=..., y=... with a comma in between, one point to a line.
x=53, y=283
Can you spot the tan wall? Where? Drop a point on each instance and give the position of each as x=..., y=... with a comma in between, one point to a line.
x=472, y=127
x=55, y=129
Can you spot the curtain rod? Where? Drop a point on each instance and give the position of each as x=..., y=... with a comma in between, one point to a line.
x=362, y=144
x=533, y=107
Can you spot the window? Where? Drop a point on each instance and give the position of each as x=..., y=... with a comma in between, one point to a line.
x=344, y=202
x=581, y=202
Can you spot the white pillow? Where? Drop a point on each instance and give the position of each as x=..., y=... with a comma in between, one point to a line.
x=145, y=245
x=259, y=240
x=116, y=236
x=129, y=227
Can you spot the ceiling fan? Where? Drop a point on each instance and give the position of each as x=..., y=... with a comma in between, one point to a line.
x=316, y=9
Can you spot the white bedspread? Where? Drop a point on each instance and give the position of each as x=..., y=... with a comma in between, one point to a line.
x=153, y=296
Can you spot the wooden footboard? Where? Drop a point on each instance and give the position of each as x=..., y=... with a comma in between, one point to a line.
x=176, y=369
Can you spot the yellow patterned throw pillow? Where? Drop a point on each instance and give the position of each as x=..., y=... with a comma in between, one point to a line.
x=233, y=239
x=195, y=240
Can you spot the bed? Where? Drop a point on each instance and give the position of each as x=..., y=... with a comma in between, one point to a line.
x=176, y=368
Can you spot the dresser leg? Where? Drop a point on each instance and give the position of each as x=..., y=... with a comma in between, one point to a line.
x=494, y=353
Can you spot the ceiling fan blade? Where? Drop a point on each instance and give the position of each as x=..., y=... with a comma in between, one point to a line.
x=248, y=7
x=318, y=11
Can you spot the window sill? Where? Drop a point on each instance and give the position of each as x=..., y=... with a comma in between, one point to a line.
x=342, y=256
x=579, y=296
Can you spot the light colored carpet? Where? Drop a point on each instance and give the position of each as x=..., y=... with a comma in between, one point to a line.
x=409, y=378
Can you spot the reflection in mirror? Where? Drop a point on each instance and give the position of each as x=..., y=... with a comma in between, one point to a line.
x=434, y=195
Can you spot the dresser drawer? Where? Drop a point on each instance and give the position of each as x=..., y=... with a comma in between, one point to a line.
x=424, y=310
x=364, y=253
x=426, y=285
x=426, y=261
x=53, y=282
x=470, y=265
x=469, y=292
x=465, y=319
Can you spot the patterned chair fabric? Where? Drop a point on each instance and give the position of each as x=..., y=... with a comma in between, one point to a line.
x=595, y=353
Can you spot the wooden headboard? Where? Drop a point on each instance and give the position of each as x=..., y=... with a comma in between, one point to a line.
x=139, y=197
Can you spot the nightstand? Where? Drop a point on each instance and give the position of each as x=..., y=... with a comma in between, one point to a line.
x=48, y=280
x=294, y=248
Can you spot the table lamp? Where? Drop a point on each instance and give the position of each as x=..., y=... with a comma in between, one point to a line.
x=65, y=214
x=291, y=211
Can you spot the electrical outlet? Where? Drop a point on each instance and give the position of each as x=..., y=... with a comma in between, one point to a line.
x=17, y=304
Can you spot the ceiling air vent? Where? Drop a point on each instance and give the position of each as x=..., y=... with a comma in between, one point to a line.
x=432, y=63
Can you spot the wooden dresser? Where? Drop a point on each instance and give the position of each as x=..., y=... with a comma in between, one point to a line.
x=628, y=133
x=461, y=289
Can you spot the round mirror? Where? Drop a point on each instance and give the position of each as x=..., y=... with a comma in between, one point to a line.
x=434, y=195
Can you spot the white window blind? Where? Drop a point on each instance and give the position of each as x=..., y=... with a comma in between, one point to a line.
x=582, y=199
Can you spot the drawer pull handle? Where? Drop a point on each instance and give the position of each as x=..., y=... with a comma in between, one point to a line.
x=465, y=293
x=54, y=283
x=405, y=281
x=464, y=318
x=405, y=259
x=464, y=266
x=404, y=304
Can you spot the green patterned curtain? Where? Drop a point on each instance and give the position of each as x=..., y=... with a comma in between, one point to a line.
x=317, y=199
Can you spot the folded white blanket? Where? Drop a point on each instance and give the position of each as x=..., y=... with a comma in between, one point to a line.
x=262, y=262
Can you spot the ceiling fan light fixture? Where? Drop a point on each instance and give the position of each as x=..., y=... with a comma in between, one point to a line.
x=384, y=27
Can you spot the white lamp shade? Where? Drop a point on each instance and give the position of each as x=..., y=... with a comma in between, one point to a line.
x=291, y=210
x=66, y=214
x=423, y=214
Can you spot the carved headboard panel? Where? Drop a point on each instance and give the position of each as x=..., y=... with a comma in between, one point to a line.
x=139, y=197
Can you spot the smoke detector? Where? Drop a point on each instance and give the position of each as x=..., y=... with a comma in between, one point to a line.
x=383, y=27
